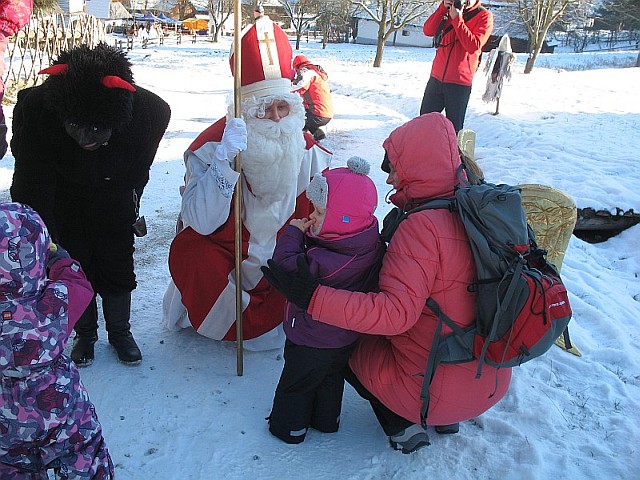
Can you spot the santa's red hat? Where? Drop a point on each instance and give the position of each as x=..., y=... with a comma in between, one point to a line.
x=265, y=60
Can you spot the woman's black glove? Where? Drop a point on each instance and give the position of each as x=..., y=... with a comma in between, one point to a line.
x=298, y=288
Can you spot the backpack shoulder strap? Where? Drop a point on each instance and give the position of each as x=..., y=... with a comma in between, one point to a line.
x=468, y=15
x=435, y=203
x=393, y=219
x=454, y=348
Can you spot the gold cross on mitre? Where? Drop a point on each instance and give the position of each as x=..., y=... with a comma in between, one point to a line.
x=268, y=47
x=266, y=41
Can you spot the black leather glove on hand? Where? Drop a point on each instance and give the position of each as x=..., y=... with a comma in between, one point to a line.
x=56, y=252
x=298, y=288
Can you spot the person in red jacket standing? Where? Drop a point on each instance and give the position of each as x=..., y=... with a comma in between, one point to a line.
x=459, y=28
x=311, y=83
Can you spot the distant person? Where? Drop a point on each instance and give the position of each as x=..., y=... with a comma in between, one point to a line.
x=311, y=82
x=47, y=422
x=14, y=15
x=341, y=244
x=258, y=11
x=459, y=28
x=84, y=142
x=428, y=257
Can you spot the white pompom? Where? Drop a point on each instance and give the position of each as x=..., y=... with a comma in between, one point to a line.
x=358, y=165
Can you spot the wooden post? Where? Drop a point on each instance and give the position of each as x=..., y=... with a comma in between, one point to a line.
x=237, y=31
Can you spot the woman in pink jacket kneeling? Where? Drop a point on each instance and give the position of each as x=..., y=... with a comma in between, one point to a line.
x=428, y=256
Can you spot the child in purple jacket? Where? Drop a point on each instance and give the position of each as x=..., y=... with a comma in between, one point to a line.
x=342, y=246
x=47, y=421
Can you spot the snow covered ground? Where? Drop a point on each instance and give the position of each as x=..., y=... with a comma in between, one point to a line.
x=572, y=123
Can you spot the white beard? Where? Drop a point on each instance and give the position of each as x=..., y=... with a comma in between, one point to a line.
x=275, y=150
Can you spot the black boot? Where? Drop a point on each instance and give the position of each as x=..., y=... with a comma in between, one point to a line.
x=117, y=311
x=319, y=134
x=448, y=429
x=86, y=336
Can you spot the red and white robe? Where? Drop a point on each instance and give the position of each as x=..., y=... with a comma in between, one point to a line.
x=202, y=293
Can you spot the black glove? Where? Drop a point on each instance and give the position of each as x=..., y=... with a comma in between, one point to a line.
x=298, y=288
x=56, y=252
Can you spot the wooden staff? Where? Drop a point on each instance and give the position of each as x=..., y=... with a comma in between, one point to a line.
x=238, y=190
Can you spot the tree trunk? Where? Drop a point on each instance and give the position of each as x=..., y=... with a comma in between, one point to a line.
x=529, y=65
x=380, y=45
x=531, y=60
x=379, y=49
x=298, y=40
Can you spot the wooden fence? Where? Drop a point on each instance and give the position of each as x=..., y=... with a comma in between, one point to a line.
x=39, y=43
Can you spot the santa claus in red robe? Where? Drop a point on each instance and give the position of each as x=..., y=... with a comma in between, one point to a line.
x=278, y=161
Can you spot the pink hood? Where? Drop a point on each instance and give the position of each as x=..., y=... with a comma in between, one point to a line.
x=424, y=154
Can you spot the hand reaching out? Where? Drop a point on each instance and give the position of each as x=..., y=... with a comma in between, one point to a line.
x=298, y=288
x=302, y=224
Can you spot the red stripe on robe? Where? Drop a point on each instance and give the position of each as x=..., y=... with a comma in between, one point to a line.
x=201, y=277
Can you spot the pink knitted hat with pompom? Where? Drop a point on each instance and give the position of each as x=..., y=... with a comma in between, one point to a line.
x=348, y=195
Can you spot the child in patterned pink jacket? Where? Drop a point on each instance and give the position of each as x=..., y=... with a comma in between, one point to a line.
x=47, y=421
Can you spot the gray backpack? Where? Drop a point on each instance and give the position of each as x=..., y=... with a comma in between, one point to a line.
x=522, y=304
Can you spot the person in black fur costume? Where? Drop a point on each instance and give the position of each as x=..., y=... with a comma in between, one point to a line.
x=83, y=143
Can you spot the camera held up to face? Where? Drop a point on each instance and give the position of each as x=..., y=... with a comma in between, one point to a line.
x=459, y=4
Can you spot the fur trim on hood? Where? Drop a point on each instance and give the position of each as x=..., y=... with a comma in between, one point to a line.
x=79, y=95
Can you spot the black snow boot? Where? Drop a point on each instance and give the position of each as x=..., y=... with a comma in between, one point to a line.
x=448, y=429
x=86, y=336
x=319, y=134
x=82, y=352
x=117, y=311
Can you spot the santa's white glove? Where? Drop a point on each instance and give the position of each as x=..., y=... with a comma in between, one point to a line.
x=234, y=140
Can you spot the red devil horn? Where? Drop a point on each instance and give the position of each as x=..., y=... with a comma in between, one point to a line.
x=112, y=81
x=58, y=69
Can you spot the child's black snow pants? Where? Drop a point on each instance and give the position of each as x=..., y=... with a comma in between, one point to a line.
x=309, y=393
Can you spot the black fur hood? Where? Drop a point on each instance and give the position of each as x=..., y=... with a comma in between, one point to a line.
x=79, y=95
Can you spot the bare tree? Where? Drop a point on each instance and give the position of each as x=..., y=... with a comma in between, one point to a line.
x=334, y=21
x=621, y=15
x=141, y=5
x=42, y=6
x=538, y=16
x=184, y=9
x=391, y=16
x=302, y=13
x=164, y=5
x=219, y=11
